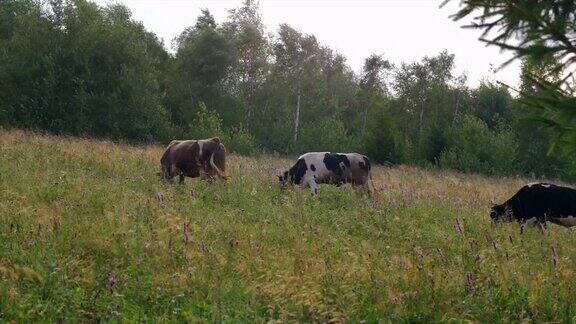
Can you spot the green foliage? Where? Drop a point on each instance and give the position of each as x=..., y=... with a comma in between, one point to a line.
x=203, y=57
x=383, y=143
x=240, y=141
x=536, y=31
x=78, y=68
x=84, y=71
x=326, y=135
x=246, y=33
x=373, y=87
x=491, y=103
x=472, y=147
x=432, y=142
x=205, y=124
x=533, y=137
x=556, y=106
x=424, y=104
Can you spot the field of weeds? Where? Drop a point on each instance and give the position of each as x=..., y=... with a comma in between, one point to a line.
x=88, y=232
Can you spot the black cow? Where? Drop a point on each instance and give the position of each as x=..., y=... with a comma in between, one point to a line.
x=539, y=202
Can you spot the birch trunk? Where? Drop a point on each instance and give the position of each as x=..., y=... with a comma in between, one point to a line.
x=297, y=117
x=364, y=118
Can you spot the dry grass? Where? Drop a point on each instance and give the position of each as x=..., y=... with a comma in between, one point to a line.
x=89, y=232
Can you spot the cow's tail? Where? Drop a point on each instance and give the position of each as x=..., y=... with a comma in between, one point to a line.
x=221, y=173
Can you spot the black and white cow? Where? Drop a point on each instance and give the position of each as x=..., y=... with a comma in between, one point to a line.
x=326, y=167
x=539, y=202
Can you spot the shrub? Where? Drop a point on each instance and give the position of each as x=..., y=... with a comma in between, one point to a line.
x=239, y=140
x=383, y=142
x=473, y=147
x=431, y=143
x=328, y=134
x=205, y=124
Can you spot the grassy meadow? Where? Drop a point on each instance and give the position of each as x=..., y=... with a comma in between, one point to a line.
x=88, y=232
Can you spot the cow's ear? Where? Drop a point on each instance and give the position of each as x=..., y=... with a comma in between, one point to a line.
x=216, y=139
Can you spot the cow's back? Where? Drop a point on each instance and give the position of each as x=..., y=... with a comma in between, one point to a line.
x=543, y=200
x=185, y=152
x=310, y=165
x=167, y=156
x=559, y=200
x=183, y=157
x=359, y=169
x=328, y=167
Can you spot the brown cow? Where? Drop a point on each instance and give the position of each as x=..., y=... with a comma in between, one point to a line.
x=194, y=158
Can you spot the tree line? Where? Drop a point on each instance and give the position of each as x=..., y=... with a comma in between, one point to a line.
x=74, y=67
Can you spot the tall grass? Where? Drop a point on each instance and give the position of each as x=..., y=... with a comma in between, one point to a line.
x=89, y=232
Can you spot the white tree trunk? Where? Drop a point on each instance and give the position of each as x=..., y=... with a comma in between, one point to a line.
x=297, y=117
x=364, y=119
x=422, y=115
x=456, y=111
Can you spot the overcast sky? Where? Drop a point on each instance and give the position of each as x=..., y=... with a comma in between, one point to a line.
x=401, y=30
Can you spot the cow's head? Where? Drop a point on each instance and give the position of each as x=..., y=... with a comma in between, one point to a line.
x=500, y=213
x=216, y=140
x=283, y=179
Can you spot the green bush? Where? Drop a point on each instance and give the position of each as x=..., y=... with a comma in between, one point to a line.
x=77, y=68
x=432, y=142
x=205, y=124
x=473, y=147
x=240, y=141
x=329, y=134
x=383, y=142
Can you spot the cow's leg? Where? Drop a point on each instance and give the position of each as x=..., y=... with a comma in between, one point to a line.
x=201, y=167
x=169, y=172
x=181, y=182
x=165, y=172
x=542, y=223
x=542, y=227
x=209, y=178
x=536, y=222
x=366, y=188
x=311, y=183
x=169, y=177
x=358, y=183
x=204, y=175
x=165, y=175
